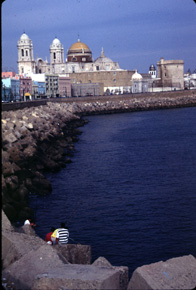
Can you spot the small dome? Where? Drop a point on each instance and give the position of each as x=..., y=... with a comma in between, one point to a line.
x=136, y=76
x=24, y=36
x=56, y=41
x=103, y=59
x=79, y=46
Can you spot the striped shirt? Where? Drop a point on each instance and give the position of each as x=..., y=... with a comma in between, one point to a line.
x=62, y=235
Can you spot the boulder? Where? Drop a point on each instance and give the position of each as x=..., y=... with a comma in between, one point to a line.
x=78, y=277
x=10, y=211
x=103, y=263
x=75, y=254
x=10, y=137
x=176, y=273
x=15, y=245
x=39, y=259
x=7, y=169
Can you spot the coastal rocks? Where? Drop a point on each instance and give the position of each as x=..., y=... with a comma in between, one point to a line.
x=75, y=254
x=42, y=260
x=35, y=140
x=79, y=277
x=31, y=263
x=176, y=273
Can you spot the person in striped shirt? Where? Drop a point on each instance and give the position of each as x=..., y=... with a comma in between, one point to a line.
x=62, y=235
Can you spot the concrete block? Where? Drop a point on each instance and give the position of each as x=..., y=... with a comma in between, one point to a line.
x=102, y=262
x=176, y=273
x=75, y=254
x=78, y=277
x=23, y=271
x=15, y=245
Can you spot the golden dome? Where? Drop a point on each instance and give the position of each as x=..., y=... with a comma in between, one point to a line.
x=79, y=46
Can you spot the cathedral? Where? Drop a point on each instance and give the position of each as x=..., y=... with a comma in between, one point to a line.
x=102, y=72
x=79, y=59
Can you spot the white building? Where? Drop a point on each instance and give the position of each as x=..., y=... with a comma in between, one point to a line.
x=79, y=59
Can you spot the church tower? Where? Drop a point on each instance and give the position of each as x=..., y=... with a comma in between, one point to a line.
x=26, y=63
x=56, y=52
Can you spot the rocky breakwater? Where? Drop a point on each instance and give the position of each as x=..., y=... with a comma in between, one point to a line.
x=34, y=140
x=30, y=263
x=41, y=138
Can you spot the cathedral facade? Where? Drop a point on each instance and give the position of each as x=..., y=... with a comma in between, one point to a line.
x=79, y=59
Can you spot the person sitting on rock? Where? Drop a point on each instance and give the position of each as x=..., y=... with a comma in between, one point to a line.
x=53, y=237
x=62, y=235
x=48, y=236
x=29, y=222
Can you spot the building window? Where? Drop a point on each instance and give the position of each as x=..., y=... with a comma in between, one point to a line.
x=114, y=73
x=97, y=67
x=54, y=55
x=22, y=52
x=26, y=52
x=74, y=59
x=165, y=74
x=114, y=80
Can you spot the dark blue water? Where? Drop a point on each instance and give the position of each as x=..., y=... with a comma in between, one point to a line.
x=131, y=190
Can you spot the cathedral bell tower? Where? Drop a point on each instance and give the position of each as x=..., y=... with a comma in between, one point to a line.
x=26, y=63
x=56, y=52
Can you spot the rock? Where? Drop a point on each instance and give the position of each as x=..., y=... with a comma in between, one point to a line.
x=78, y=277
x=176, y=273
x=41, y=185
x=4, y=156
x=25, y=213
x=10, y=211
x=12, y=183
x=23, y=192
x=27, y=229
x=7, y=169
x=6, y=224
x=29, y=151
x=75, y=254
x=15, y=245
x=40, y=259
x=10, y=138
x=102, y=262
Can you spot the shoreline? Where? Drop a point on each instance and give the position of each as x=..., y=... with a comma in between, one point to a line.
x=40, y=138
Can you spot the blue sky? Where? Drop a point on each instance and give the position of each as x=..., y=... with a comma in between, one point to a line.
x=136, y=33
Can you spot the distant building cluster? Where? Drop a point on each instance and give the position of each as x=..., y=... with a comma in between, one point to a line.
x=80, y=75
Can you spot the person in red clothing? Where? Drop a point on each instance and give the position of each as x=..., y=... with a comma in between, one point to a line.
x=48, y=236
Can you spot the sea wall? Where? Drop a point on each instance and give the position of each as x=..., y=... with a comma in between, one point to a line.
x=40, y=137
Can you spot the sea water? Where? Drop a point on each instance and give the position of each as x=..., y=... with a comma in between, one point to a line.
x=130, y=191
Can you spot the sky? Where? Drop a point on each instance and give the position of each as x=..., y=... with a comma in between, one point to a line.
x=135, y=33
